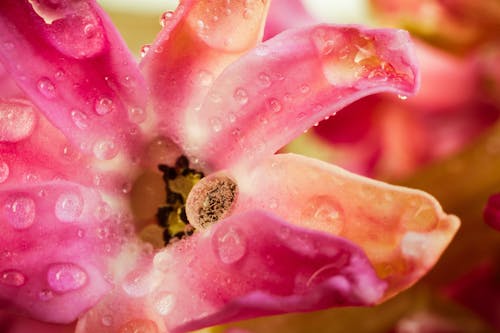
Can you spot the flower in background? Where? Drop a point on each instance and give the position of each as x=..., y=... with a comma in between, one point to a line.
x=148, y=198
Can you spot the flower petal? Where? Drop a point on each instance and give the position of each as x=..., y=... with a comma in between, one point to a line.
x=197, y=42
x=286, y=14
x=55, y=242
x=402, y=231
x=248, y=265
x=292, y=81
x=492, y=211
x=71, y=62
x=18, y=324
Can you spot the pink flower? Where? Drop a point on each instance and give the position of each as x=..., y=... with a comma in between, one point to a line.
x=83, y=136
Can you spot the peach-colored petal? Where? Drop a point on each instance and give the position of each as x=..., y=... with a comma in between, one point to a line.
x=197, y=42
x=287, y=84
x=248, y=265
x=73, y=65
x=402, y=231
x=286, y=14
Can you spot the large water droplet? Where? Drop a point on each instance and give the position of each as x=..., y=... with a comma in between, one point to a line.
x=46, y=88
x=66, y=277
x=12, y=278
x=20, y=212
x=17, y=121
x=241, y=96
x=4, y=171
x=105, y=149
x=69, y=207
x=104, y=106
x=138, y=283
x=230, y=245
x=164, y=303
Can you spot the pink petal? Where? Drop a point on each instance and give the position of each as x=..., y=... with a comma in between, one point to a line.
x=402, y=231
x=248, y=265
x=492, y=211
x=18, y=324
x=55, y=242
x=33, y=151
x=287, y=84
x=71, y=62
x=286, y=14
x=197, y=42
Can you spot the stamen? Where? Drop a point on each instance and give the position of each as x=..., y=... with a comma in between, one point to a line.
x=211, y=200
x=179, y=180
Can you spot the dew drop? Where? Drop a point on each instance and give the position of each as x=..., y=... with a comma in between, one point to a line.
x=66, y=277
x=230, y=245
x=103, y=211
x=4, y=171
x=144, y=50
x=104, y=106
x=80, y=119
x=12, y=278
x=17, y=121
x=20, y=212
x=305, y=89
x=241, y=96
x=264, y=79
x=138, y=283
x=90, y=31
x=137, y=115
x=274, y=105
x=46, y=88
x=164, y=302
x=216, y=124
x=45, y=295
x=69, y=207
x=107, y=320
x=105, y=149
x=403, y=97
x=166, y=17
x=205, y=78
x=139, y=326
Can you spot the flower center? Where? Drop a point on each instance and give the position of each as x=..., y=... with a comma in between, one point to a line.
x=170, y=204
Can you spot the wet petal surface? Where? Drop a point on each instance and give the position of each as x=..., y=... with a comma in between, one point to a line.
x=248, y=265
x=402, y=231
x=73, y=65
x=293, y=81
x=56, y=239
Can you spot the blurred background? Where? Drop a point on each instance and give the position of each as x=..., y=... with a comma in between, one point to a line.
x=445, y=140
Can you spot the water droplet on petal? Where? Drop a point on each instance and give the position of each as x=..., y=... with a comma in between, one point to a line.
x=105, y=149
x=137, y=115
x=216, y=124
x=4, y=171
x=402, y=97
x=274, y=105
x=17, y=121
x=12, y=278
x=20, y=212
x=107, y=320
x=45, y=295
x=304, y=89
x=166, y=17
x=144, y=50
x=80, y=119
x=66, y=277
x=139, y=326
x=69, y=207
x=230, y=245
x=241, y=96
x=264, y=79
x=205, y=78
x=104, y=106
x=164, y=302
x=46, y=88
x=90, y=30
x=138, y=283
